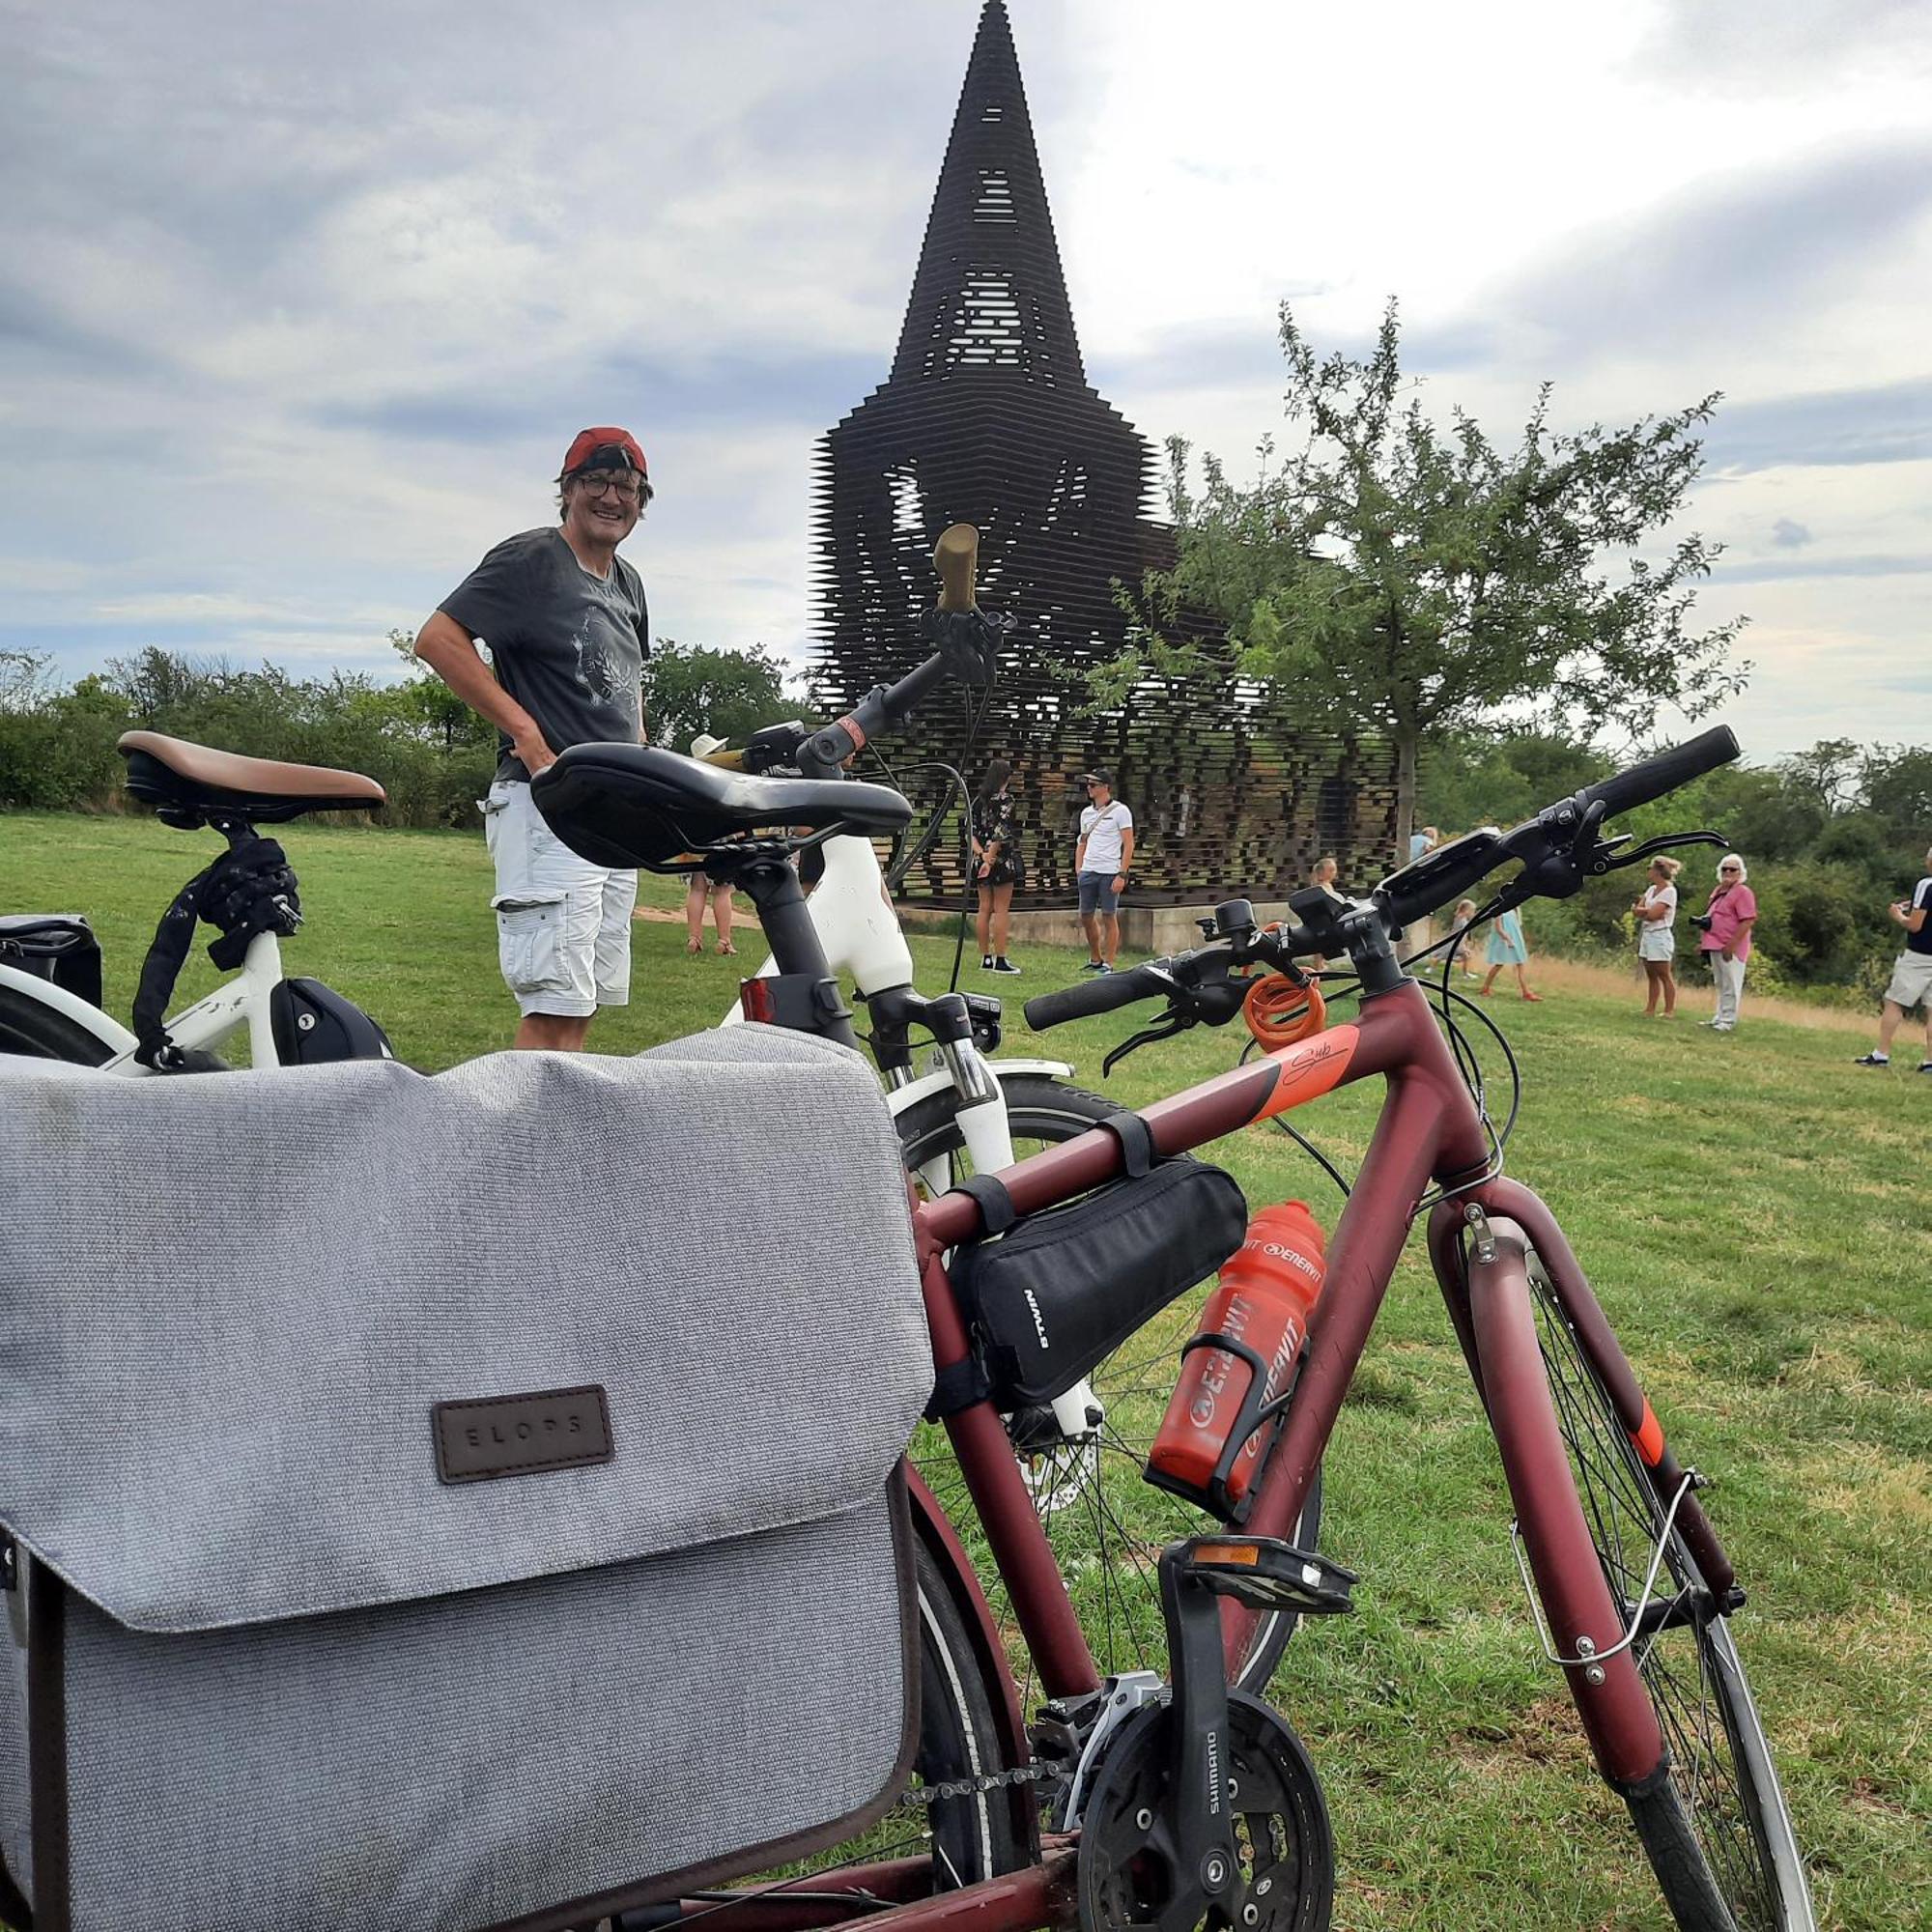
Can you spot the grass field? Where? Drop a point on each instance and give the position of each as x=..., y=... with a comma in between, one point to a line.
x=1755, y=1217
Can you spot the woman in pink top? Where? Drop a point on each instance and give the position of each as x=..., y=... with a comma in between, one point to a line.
x=1726, y=942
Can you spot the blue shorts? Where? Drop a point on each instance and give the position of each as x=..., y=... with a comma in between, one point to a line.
x=1098, y=894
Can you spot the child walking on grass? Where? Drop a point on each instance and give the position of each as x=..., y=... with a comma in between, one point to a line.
x=1507, y=946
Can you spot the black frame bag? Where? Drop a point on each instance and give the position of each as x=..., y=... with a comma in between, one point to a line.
x=1050, y=1298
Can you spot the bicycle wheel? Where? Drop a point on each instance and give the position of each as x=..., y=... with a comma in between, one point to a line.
x=1106, y=1525
x=962, y=1838
x=30, y=1027
x=1717, y=1832
x=973, y=1837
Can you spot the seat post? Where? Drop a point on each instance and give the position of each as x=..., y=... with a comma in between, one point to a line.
x=770, y=883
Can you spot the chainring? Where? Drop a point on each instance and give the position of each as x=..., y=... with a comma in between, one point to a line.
x=1282, y=1845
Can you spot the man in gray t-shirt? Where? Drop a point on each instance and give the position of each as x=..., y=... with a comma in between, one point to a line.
x=565, y=622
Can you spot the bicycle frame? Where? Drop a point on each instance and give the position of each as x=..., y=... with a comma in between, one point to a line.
x=241, y=1000
x=1429, y=1134
x=863, y=941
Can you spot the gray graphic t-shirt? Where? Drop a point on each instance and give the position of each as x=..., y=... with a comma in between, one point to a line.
x=569, y=648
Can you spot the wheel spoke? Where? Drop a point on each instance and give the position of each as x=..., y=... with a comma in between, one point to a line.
x=1674, y=1648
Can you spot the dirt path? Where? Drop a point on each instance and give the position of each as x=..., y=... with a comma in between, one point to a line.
x=1548, y=973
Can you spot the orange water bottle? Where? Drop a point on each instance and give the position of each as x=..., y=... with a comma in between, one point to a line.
x=1261, y=1302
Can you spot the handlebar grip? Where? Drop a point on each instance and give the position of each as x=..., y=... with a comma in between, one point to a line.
x=956, y=556
x=1099, y=995
x=1664, y=773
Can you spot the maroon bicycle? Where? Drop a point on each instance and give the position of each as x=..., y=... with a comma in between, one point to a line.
x=1128, y=1802
x=1636, y=1594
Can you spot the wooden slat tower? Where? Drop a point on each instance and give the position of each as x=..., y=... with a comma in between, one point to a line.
x=987, y=418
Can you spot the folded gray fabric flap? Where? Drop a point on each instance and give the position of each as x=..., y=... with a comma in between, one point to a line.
x=233, y=1305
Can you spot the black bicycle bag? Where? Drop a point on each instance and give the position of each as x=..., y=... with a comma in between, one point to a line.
x=58, y=947
x=1050, y=1298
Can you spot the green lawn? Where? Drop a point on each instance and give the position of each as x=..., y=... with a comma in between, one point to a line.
x=1754, y=1213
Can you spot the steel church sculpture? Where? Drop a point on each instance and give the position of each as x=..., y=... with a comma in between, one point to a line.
x=987, y=418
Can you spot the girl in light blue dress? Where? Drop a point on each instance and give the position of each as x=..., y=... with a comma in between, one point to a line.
x=1507, y=947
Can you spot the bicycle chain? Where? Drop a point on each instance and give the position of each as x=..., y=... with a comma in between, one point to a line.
x=991, y=1781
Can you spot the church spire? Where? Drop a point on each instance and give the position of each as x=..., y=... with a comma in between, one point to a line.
x=989, y=293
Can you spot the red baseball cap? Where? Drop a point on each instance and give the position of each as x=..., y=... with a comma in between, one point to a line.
x=612, y=448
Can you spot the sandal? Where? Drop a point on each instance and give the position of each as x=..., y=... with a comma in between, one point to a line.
x=726, y=945
x=1535, y=999
x=694, y=946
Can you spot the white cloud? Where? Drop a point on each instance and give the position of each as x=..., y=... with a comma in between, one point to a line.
x=329, y=306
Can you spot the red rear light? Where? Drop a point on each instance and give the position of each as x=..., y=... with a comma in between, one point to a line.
x=755, y=1002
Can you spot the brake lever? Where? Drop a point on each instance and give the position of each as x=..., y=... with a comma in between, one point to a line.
x=1165, y=1029
x=1651, y=847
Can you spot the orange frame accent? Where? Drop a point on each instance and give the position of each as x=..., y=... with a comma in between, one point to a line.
x=1310, y=1068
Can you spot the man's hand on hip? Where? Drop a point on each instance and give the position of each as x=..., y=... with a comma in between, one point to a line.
x=534, y=749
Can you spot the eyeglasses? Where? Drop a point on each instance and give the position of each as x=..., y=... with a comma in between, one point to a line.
x=1730, y=869
x=599, y=481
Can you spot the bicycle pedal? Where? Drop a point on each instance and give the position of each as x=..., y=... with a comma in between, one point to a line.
x=1266, y=1574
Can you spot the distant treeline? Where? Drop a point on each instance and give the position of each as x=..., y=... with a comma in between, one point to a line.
x=1830, y=834
x=423, y=744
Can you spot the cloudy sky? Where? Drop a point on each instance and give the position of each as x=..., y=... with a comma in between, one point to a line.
x=299, y=306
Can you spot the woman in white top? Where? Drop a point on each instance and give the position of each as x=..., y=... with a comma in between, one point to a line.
x=1655, y=936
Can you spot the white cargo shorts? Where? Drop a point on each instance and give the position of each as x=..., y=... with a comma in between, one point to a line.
x=1911, y=980
x=563, y=925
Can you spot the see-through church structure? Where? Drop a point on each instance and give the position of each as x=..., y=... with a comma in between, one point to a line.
x=987, y=418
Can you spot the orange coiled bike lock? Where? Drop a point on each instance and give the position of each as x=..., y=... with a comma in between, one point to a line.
x=1279, y=1011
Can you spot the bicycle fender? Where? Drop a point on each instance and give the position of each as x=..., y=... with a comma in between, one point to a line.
x=57, y=998
x=903, y=1097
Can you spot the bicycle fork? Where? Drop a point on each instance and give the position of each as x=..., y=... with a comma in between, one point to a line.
x=1484, y=1267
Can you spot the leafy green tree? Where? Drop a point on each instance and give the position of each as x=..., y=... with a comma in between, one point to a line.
x=689, y=688
x=424, y=704
x=1897, y=783
x=1498, y=777
x=1391, y=575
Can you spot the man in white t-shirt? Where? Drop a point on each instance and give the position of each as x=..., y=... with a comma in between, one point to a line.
x=1101, y=863
x=1911, y=973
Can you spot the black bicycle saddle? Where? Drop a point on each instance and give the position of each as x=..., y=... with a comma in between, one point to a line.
x=635, y=805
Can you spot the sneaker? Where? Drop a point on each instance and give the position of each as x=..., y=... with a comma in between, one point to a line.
x=1723, y=1026
x=985, y=962
x=1004, y=965
x=1925, y=1066
x=1709, y=1023
x=1093, y=966
x=1102, y=967
x=1875, y=1060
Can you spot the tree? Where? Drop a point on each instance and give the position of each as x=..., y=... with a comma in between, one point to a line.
x=692, y=689
x=424, y=704
x=1393, y=576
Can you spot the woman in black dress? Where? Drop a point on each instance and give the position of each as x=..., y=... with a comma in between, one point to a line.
x=996, y=863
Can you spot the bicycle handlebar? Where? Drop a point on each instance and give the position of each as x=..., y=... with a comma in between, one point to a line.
x=967, y=643
x=1654, y=778
x=1555, y=849
x=1099, y=995
x=956, y=557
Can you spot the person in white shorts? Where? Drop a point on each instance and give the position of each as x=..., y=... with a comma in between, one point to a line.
x=1656, y=935
x=1910, y=972
x=565, y=621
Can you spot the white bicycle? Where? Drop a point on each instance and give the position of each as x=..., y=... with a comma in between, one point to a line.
x=50, y=963
x=969, y=1113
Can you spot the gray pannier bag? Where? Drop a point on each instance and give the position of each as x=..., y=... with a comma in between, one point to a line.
x=439, y=1504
